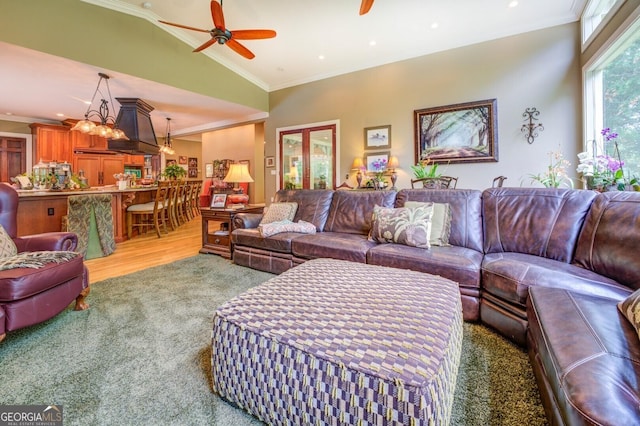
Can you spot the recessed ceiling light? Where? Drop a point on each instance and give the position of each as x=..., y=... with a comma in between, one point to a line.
x=321, y=57
x=59, y=114
x=8, y=113
x=513, y=3
x=434, y=25
x=146, y=5
x=372, y=43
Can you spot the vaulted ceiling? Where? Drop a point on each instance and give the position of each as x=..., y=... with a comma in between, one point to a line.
x=315, y=40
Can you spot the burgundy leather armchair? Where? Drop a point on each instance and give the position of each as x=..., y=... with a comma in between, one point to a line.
x=29, y=296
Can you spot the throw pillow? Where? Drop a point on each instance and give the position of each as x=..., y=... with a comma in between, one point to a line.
x=279, y=211
x=440, y=222
x=630, y=308
x=7, y=246
x=269, y=229
x=411, y=227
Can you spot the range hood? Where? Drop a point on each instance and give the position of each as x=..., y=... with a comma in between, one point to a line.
x=135, y=121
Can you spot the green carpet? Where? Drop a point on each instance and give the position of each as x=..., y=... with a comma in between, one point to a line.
x=140, y=355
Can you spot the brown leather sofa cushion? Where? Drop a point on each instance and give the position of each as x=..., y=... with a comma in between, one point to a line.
x=333, y=245
x=609, y=240
x=313, y=204
x=252, y=238
x=543, y=222
x=458, y=264
x=585, y=356
x=509, y=276
x=466, y=212
x=351, y=211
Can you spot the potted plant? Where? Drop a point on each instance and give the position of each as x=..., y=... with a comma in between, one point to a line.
x=173, y=172
x=424, y=170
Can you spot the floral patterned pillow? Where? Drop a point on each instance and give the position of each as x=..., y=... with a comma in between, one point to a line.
x=7, y=246
x=630, y=308
x=278, y=212
x=440, y=222
x=411, y=227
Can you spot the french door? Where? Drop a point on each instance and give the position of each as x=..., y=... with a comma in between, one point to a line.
x=308, y=157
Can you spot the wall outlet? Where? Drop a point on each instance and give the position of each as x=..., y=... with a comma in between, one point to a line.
x=50, y=211
x=347, y=176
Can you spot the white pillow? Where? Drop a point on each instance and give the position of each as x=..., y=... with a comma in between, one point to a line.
x=279, y=211
x=440, y=222
x=7, y=246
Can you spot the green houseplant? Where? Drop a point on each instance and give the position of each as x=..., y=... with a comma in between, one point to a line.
x=424, y=170
x=174, y=171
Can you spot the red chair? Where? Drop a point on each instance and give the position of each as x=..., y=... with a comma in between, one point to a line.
x=32, y=295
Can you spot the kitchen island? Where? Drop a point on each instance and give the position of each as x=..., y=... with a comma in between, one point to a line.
x=42, y=211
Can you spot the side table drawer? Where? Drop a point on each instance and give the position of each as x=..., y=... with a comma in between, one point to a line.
x=219, y=239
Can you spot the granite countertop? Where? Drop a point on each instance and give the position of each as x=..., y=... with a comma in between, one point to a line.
x=92, y=190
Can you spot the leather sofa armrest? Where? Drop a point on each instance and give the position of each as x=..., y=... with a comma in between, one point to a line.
x=55, y=241
x=246, y=220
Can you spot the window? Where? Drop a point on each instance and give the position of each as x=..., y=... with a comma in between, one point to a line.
x=612, y=99
x=594, y=13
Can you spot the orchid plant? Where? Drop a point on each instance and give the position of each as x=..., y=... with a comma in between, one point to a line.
x=556, y=175
x=604, y=171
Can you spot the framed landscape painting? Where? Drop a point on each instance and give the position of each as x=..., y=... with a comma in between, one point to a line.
x=460, y=133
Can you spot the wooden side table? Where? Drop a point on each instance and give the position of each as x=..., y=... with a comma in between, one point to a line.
x=218, y=241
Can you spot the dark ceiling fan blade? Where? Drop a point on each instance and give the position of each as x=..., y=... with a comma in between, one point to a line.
x=365, y=6
x=252, y=34
x=186, y=27
x=217, y=15
x=205, y=45
x=240, y=49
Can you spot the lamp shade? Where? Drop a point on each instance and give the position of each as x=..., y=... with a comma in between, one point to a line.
x=357, y=164
x=393, y=162
x=238, y=173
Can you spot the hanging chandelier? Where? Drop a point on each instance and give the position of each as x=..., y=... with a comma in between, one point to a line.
x=166, y=147
x=107, y=128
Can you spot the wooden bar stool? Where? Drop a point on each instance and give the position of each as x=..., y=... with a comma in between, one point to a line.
x=151, y=214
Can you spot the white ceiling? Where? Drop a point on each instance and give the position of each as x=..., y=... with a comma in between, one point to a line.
x=306, y=30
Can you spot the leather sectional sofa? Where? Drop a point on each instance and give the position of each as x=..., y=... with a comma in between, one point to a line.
x=543, y=267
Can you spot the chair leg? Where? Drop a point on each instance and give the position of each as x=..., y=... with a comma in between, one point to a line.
x=81, y=305
x=129, y=225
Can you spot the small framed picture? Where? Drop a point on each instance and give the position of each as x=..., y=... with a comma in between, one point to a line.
x=182, y=159
x=208, y=170
x=377, y=137
x=270, y=161
x=218, y=201
x=377, y=161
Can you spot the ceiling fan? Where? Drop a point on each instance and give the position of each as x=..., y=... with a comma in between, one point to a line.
x=365, y=6
x=222, y=35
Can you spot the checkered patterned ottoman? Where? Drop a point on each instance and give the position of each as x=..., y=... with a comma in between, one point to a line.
x=334, y=342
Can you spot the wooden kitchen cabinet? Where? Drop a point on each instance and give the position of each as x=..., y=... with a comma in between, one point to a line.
x=51, y=143
x=99, y=169
x=134, y=160
x=82, y=141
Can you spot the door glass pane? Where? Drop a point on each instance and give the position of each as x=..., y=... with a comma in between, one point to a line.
x=292, y=167
x=321, y=159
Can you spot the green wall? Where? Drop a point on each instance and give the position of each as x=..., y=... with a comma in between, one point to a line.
x=105, y=38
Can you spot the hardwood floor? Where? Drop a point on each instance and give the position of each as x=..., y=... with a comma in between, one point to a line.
x=148, y=250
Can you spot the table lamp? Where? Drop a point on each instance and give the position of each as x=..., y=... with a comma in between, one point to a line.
x=359, y=166
x=392, y=165
x=238, y=173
